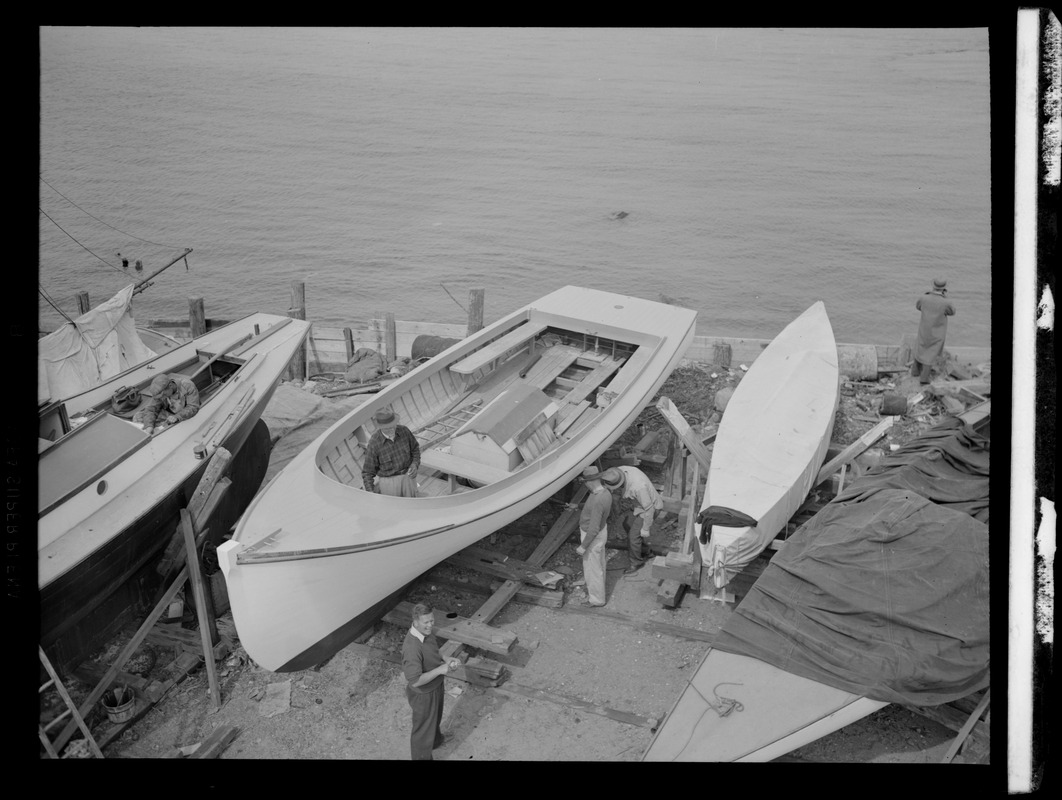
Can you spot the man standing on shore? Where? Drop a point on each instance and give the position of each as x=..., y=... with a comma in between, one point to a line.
x=936, y=309
x=424, y=667
x=392, y=457
x=593, y=533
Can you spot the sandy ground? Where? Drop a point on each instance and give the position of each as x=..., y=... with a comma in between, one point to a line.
x=353, y=706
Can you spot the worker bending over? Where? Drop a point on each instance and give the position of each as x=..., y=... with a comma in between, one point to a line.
x=173, y=398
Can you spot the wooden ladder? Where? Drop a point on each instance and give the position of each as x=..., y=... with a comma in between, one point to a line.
x=444, y=426
x=71, y=710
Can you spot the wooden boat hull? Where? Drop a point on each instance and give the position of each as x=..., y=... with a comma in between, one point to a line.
x=775, y=712
x=315, y=558
x=110, y=507
x=772, y=441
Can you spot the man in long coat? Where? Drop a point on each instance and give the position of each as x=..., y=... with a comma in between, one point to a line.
x=936, y=309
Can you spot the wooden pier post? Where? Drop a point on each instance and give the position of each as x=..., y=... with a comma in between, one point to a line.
x=83, y=303
x=196, y=316
x=298, y=311
x=390, y=337
x=475, y=311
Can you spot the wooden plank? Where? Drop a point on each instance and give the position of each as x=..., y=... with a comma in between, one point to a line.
x=650, y=626
x=123, y=657
x=458, y=629
x=186, y=640
x=433, y=458
x=499, y=564
x=692, y=510
x=577, y=704
x=966, y=728
x=670, y=593
x=216, y=742
x=204, y=605
x=682, y=428
x=565, y=525
x=513, y=339
x=553, y=362
x=529, y=595
x=569, y=413
x=854, y=449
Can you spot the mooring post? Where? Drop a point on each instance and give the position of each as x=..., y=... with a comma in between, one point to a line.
x=83, y=303
x=196, y=316
x=390, y=338
x=475, y=311
x=298, y=311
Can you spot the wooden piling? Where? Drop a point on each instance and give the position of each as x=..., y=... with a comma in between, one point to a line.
x=196, y=316
x=83, y=303
x=298, y=311
x=475, y=310
x=390, y=346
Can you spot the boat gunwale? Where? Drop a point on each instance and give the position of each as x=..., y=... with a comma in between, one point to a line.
x=172, y=447
x=343, y=492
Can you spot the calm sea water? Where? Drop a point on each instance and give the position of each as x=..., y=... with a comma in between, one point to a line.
x=397, y=169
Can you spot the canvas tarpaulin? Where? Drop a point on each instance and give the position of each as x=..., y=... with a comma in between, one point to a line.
x=885, y=592
x=92, y=349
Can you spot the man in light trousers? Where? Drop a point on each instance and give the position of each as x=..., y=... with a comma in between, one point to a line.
x=593, y=533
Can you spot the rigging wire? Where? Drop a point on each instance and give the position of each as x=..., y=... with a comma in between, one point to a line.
x=453, y=298
x=75, y=241
x=52, y=303
x=79, y=208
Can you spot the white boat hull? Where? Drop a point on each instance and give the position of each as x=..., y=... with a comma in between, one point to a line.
x=316, y=558
x=101, y=522
x=772, y=441
x=774, y=712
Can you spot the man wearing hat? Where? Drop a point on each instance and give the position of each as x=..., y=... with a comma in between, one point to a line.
x=634, y=486
x=936, y=309
x=174, y=397
x=593, y=533
x=392, y=457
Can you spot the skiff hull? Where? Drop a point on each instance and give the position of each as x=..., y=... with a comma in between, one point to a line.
x=316, y=558
x=772, y=441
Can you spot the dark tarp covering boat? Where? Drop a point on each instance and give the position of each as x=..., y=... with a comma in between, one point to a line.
x=884, y=593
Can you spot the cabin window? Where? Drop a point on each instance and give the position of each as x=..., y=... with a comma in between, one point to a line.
x=101, y=487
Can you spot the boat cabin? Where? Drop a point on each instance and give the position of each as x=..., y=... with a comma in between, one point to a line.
x=73, y=452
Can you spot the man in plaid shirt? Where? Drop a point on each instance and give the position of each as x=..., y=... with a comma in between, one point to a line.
x=392, y=457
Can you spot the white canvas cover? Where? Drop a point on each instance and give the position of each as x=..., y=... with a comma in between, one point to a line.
x=92, y=349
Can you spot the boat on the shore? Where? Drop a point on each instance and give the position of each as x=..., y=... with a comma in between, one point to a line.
x=109, y=492
x=880, y=598
x=771, y=443
x=505, y=419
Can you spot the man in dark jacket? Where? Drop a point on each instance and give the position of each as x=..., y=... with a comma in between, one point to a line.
x=173, y=398
x=936, y=309
x=424, y=667
x=392, y=457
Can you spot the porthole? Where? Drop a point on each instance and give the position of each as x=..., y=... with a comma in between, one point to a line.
x=101, y=487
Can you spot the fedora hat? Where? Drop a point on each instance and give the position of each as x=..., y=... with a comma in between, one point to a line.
x=612, y=478
x=939, y=284
x=385, y=417
x=591, y=474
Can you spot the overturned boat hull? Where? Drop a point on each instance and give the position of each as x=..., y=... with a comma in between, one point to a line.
x=771, y=442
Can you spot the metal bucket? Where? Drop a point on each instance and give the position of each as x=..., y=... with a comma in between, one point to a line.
x=120, y=704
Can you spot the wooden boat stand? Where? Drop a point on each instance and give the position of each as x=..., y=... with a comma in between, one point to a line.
x=205, y=498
